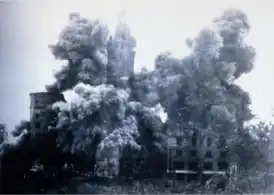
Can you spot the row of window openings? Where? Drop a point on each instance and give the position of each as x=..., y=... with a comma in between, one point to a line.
x=194, y=166
x=193, y=153
x=193, y=177
x=194, y=141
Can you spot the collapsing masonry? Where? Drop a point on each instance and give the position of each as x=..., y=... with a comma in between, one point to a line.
x=195, y=155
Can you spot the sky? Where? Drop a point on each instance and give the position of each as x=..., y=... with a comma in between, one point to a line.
x=28, y=27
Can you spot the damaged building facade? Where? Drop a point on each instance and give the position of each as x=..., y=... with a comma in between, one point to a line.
x=196, y=155
x=39, y=103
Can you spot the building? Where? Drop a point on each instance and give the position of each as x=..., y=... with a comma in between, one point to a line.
x=121, y=52
x=196, y=155
x=39, y=102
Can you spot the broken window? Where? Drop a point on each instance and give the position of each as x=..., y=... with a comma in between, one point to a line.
x=222, y=142
x=170, y=163
x=37, y=125
x=179, y=165
x=223, y=154
x=179, y=141
x=208, y=154
x=37, y=101
x=179, y=152
x=193, y=153
x=193, y=166
x=36, y=116
x=223, y=166
x=209, y=142
x=208, y=166
x=194, y=139
x=172, y=153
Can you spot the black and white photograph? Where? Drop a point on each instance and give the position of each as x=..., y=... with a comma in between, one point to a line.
x=136, y=97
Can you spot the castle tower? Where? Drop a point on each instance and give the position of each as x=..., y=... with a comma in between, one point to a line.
x=38, y=103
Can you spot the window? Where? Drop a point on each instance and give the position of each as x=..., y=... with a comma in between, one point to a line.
x=223, y=166
x=193, y=153
x=179, y=165
x=208, y=166
x=37, y=115
x=193, y=166
x=179, y=141
x=223, y=154
x=179, y=152
x=37, y=101
x=209, y=142
x=37, y=125
x=208, y=154
x=192, y=177
x=170, y=163
x=194, y=139
x=222, y=142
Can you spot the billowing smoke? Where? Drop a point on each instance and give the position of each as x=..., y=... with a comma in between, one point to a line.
x=104, y=119
x=201, y=87
x=102, y=115
x=92, y=55
x=233, y=26
x=9, y=139
x=83, y=45
x=110, y=150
